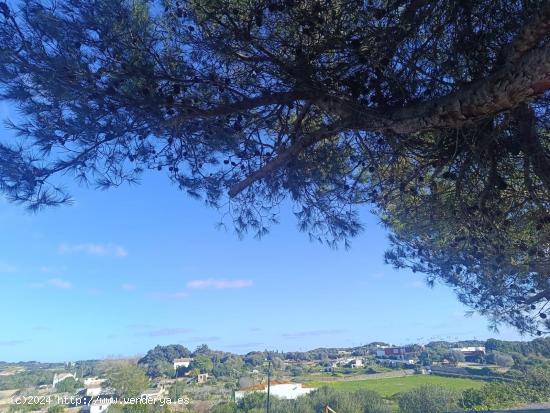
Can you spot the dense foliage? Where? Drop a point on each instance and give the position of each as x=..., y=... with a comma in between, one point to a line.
x=361, y=401
x=26, y=379
x=428, y=399
x=128, y=380
x=533, y=387
x=433, y=111
x=69, y=385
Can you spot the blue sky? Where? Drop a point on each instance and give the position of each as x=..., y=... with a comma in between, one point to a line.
x=121, y=271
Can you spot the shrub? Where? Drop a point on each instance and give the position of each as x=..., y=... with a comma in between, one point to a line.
x=428, y=399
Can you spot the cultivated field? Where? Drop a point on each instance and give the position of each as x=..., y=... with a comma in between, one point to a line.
x=388, y=387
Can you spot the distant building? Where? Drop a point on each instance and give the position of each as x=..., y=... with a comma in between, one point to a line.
x=397, y=362
x=472, y=354
x=100, y=405
x=356, y=363
x=202, y=378
x=94, y=390
x=183, y=362
x=93, y=381
x=93, y=386
x=154, y=394
x=396, y=352
x=62, y=376
x=282, y=390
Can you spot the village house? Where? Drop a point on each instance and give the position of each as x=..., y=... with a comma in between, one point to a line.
x=60, y=377
x=93, y=381
x=355, y=363
x=154, y=394
x=399, y=353
x=94, y=390
x=100, y=405
x=472, y=354
x=182, y=363
x=280, y=389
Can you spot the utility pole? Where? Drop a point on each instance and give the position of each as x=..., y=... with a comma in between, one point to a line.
x=268, y=384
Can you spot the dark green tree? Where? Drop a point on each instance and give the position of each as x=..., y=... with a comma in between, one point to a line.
x=433, y=111
x=128, y=380
x=203, y=363
x=69, y=385
x=432, y=399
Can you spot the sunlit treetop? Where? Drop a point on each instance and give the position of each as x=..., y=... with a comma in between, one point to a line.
x=434, y=112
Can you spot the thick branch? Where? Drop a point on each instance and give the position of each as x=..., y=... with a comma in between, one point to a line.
x=531, y=35
x=504, y=90
x=286, y=155
x=241, y=106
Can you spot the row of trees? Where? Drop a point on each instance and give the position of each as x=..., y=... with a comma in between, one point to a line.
x=159, y=361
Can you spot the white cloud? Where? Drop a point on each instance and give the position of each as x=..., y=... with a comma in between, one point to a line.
x=176, y=295
x=53, y=282
x=52, y=270
x=219, y=284
x=9, y=343
x=59, y=283
x=111, y=250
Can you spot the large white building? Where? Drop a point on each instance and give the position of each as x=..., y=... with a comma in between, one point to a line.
x=288, y=391
x=62, y=376
x=183, y=362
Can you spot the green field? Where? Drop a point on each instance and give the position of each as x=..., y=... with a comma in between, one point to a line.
x=390, y=386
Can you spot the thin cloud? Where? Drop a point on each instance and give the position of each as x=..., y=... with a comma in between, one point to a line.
x=53, y=282
x=59, y=283
x=128, y=287
x=41, y=328
x=219, y=284
x=313, y=333
x=9, y=343
x=165, y=332
x=105, y=250
x=177, y=295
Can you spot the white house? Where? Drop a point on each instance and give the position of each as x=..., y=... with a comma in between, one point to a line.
x=183, y=362
x=153, y=394
x=94, y=391
x=288, y=391
x=356, y=363
x=62, y=376
x=100, y=405
x=93, y=381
